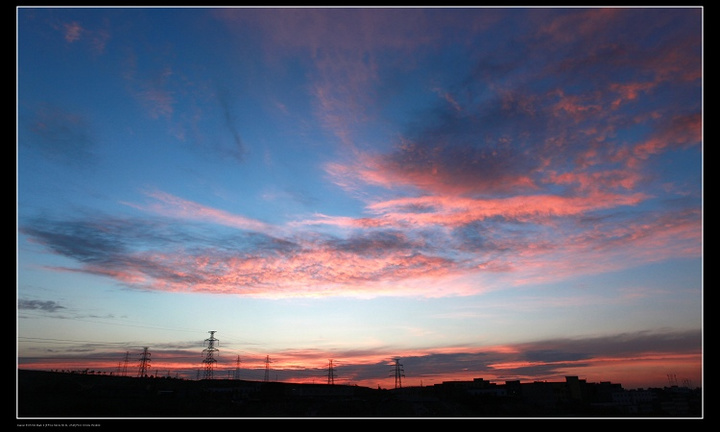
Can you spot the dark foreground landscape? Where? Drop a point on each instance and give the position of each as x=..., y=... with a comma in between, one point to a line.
x=56, y=395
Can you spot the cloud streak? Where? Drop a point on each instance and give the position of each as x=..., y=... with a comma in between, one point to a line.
x=60, y=135
x=47, y=306
x=415, y=241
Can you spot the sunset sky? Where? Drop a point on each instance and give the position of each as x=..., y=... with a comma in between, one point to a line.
x=497, y=193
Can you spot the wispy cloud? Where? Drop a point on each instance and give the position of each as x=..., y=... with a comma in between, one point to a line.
x=236, y=150
x=346, y=49
x=59, y=134
x=171, y=206
x=43, y=305
x=72, y=31
x=154, y=93
x=76, y=33
x=400, y=242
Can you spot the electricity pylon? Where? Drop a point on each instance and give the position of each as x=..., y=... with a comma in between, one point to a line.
x=331, y=373
x=122, y=366
x=267, y=368
x=399, y=373
x=209, y=352
x=144, y=362
x=237, y=369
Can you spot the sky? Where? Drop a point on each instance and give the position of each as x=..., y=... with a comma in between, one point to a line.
x=497, y=193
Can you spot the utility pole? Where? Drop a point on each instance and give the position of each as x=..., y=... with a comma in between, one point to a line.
x=144, y=362
x=209, y=352
x=399, y=373
x=331, y=373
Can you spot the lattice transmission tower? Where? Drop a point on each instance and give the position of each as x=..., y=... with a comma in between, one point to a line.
x=399, y=373
x=331, y=373
x=122, y=366
x=237, y=369
x=209, y=360
x=144, y=362
x=267, y=368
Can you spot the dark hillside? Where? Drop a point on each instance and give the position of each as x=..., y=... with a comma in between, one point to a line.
x=65, y=395
x=56, y=395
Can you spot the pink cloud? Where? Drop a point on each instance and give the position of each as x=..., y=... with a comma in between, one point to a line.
x=159, y=102
x=342, y=45
x=310, y=272
x=335, y=29
x=453, y=211
x=73, y=31
x=579, y=24
x=598, y=181
x=678, y=132
x=629, y=91
x=429, y=174
x=172, y=206
x=577, y=107
x=542, y=260
x=608, y=249
x=681, y=61
x=665, y=235
x=402, y=263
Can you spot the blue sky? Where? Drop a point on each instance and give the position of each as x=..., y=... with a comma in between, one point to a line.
x=497, y=193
